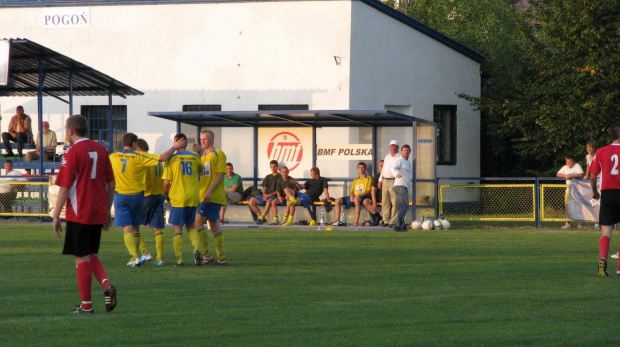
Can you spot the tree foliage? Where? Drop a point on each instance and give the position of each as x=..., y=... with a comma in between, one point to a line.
x=550, y=83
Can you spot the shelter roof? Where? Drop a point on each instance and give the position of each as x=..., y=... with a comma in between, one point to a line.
x=301, y=118
x=61, y=74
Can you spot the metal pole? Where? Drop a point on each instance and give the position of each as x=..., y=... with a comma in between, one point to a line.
x=537, y=201
x=40, y=110
x=110, y=126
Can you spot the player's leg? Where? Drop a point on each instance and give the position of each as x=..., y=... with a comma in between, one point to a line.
x=338, y=208
x=274, y=205
x=211, y=213
x=199, y=225
x=386, y=207
x=222, y=213
x=109, y=290
x=358, y=209
x=84, y=280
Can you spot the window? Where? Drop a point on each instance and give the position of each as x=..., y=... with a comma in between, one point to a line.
x=282, y=107
x=201, y=108
x=98, y=128
x=446, y=134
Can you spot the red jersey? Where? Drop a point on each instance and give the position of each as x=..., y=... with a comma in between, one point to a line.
x=606, y=162
x=86, y=171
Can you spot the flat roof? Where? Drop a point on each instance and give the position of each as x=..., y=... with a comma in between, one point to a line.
x=298, y=118
x=61, y=75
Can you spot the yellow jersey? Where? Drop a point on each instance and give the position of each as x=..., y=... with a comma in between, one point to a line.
x=129, y=168
x=361, y=185
x=214, y=163
x=153, y=181
x=182, y=170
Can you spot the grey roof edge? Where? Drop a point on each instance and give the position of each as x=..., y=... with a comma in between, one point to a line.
x=378, y=5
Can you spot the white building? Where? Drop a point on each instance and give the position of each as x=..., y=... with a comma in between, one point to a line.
x=246, y=55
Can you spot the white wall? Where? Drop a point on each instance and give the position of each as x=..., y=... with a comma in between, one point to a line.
x=390, y=65
x=243, y=54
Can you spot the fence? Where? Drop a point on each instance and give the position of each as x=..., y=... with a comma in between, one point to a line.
x=502, y=199
x=470, y=199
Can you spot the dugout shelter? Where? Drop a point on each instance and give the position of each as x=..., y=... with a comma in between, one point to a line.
x=382, y=125
x=33, y=70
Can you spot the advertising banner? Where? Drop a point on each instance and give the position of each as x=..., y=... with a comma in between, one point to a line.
x=291, y=147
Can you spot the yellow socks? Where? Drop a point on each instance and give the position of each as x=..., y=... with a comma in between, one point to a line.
x=218, y=239
x=289, y=222
x=194, y=239
x=131, y=245
x=177, y=243
x=159, y=244
x=204, y=242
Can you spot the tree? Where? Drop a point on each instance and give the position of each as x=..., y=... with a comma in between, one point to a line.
x=550, y=82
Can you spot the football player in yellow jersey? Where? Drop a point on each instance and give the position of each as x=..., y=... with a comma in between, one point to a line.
x=153, y=211
x=213, y=197
x=129, y=167
x=181, y=184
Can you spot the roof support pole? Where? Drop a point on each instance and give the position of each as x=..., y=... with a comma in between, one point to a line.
x=375, y=160
x=414, y=166
x=313, y=146
x=255, y=138
x=110, y=127
x=40, y=118
x=70, y=93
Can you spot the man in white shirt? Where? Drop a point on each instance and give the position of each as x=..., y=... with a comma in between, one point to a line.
x=49, y=146
x=569, y=171
x=8, y=192
x=401, y=169
x=386, y=182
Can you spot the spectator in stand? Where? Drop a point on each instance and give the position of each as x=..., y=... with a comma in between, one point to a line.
x=269, y=192
x=49, y=145
x=8, y=192
x=234, y=189
x=590, y=149
x=360, y=190
x=20, y=131
x=314, y=187
x=569, y=171
x=287, y=182
x=375, y=197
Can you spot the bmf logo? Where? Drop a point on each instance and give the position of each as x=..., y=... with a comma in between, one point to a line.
x=285, y=147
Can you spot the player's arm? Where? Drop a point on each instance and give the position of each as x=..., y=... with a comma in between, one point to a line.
x=167, y=185
x=110, y=188
x=593, y=185
x=216, y=182
x=180, y=143
x=63, y=194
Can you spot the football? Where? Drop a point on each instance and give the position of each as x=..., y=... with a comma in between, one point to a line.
x=445, y=225
x=416, y=225
x=427, y=225
x=438, y=224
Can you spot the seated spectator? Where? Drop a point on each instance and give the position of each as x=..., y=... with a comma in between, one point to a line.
x=360, y=190
x=8, y=192
x=20, y=131
x=269, y=193
x=314, y=187
x=234, y=189
x=287, y=182
x=375, y=197
x=49, y=143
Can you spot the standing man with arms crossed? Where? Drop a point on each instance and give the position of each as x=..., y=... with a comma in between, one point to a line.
x=129, y=167
x=213, y=197
x=181, y=184
x=606, y=163
x=401, y=169
x=87, y=186
x=386, y=182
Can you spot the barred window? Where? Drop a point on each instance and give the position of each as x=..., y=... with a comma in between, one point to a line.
x=98, y=124
x=446, y=134
x=277, y=107
x=199, y=108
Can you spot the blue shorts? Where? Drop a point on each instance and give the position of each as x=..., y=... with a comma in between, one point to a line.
x=210, y=211
x=305, y=199
x=182, y=215
x=128, y=209
x=153, y=214
x=261, y=201
x=348, y=203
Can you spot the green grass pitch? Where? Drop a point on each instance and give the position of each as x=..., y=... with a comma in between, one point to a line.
x=483, y=286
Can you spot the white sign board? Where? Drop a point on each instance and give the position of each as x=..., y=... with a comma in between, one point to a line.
x=5, y=47
x=65, y=17
x=425, y=141
x=291, y=147
x=344, y=152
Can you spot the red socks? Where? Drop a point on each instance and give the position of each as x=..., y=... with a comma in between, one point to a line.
x=84, y=280
x=603, y=247
x=98, y=271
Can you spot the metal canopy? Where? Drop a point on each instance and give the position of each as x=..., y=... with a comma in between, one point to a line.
x=314, y=118
x=61, y=74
